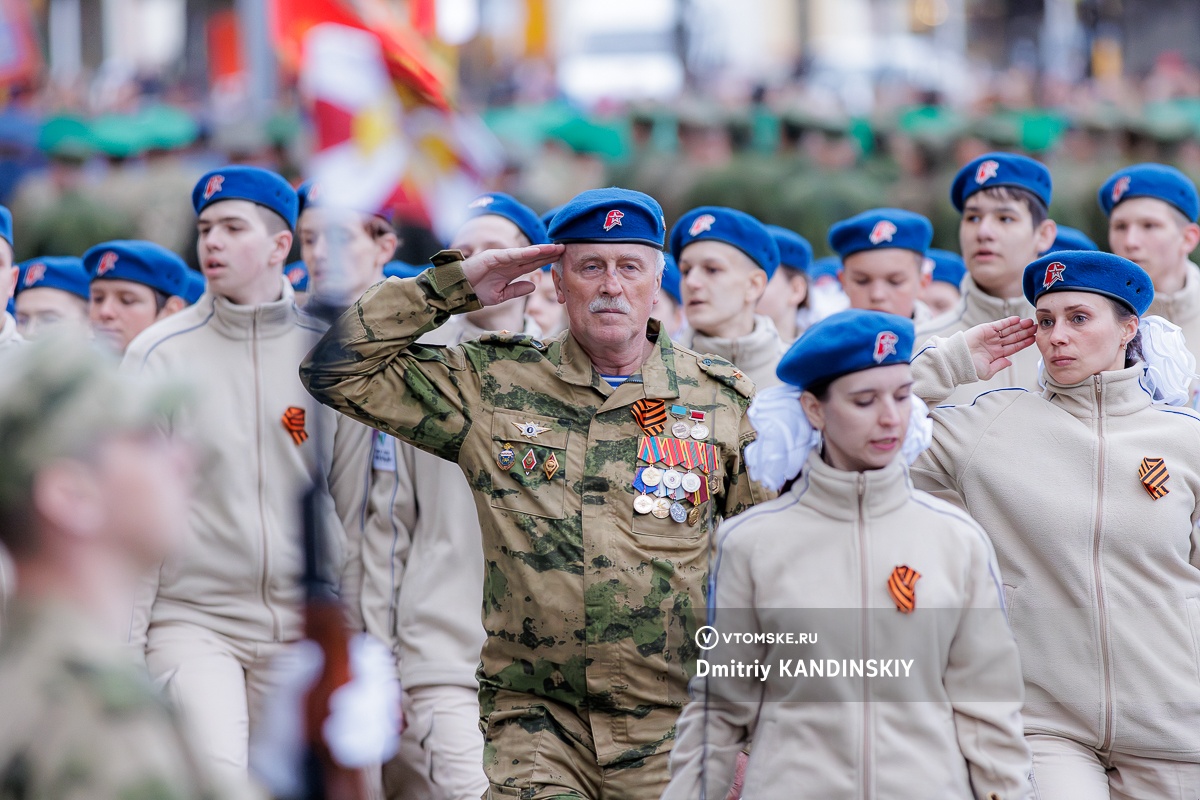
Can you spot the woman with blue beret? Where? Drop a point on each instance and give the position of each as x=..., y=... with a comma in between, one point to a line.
x=1090, y=492
x=896, y=674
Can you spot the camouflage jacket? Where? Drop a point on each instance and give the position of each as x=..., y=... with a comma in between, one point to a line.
x=82, y=721
x=586, y=602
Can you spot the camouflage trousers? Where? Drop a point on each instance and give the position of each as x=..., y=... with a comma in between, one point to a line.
x=539, y=749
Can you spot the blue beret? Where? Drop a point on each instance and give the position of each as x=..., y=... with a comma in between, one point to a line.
x=194, y=287
x=794, y=249
x=297, y=275
x=399, y=269
x=1090, y=271
x=146, y=263
x=549, y=215
x=1151, y=180
x=516, y=212
x=947, y=267
x=1000, y=169
x=824, y=267
x=672, y=278
x=310, y=195
x=6, y=225
x=881, y=229
x=845, y=342
x=1071, y=239
x=255, y=184
x=610, y=215
x=54, y=272
x=734, y=228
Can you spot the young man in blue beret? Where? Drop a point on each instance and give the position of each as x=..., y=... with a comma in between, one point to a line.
x=8, y=282
x=946, y=271
x=594, y=582
x=51, y=292
x=785, y=300
x=726, y=258
x=297, y=275
x=669, y=309
x=133, y=285
x=213, y=617
x=883, y=261
x=1003, y=199
x=1152, y=211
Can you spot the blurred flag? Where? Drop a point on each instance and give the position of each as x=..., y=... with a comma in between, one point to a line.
x=20, y=58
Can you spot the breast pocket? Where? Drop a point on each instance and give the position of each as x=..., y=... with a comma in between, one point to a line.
x=529, y=464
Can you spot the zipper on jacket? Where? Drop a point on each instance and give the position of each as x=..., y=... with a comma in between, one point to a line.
x=1106, y=731
x=864, y=583
x=258, y=444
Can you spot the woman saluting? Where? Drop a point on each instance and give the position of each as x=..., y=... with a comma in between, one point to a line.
x=1090, y=492
x=879, y=573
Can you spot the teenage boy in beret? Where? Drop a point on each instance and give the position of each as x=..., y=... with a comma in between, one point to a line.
x=50, y=292
x=133, y=285
x=946, y=273
x=726, y=258
x=787, y=291
x=213, y=617
x=1152, y=211
x=594, y=583
x=883, y=261
x=1003, y=199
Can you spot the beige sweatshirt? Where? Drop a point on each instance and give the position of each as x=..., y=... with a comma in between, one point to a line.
x=817, y=560
x=975, y=308
x=757, y=354
x=1183, y=308
x=1101, y=578
x=423, y=553
x=238, y=571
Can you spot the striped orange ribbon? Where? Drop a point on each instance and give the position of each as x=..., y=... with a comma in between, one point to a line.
x=651, y=415
x=293, y=423
x=902, y=587
x=1153, y=473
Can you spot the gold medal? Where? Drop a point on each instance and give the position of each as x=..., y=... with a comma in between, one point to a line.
x=662, y=508
x=693, y=516
x=550, y=465
x=643, y=504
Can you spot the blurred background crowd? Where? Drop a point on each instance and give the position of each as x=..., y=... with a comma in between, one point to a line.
x=800, y=112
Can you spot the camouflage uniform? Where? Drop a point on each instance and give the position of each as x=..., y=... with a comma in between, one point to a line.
x=82, y=721
x=590, y=609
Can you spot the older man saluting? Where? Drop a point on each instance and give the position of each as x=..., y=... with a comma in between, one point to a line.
x=599, y=461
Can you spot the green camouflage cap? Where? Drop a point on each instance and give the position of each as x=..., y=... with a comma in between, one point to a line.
x=59, y=396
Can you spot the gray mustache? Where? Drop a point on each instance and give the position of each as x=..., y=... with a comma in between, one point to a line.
x=610, y=304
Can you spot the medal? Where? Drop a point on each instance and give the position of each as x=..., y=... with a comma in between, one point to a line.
x=550, y=466
x=677, y=512
x=693, y=516
x=662, y=508
x=530, y=429
x=699, y=431
x=529, y=461
x=507, y=458
x=643, y=504
x=652, y=476
x=680, y=429
x=672, y=478
x=690, y=482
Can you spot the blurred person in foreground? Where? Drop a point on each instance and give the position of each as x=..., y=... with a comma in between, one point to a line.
x=91, y=495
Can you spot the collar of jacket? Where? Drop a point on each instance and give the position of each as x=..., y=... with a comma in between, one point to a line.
x=1183, y=305
x=1123, y=393
x=262, y=321
x=979, y=306
x=657, y=373
x=757, y=350
x=834, y=492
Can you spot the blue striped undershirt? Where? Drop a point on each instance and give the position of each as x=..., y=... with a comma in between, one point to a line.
x=615, y=380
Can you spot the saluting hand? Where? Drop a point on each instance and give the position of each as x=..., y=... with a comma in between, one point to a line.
x=493, y=273
x=993, y=342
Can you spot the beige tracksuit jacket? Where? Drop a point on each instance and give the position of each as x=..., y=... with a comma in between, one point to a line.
x=8, y=337
x=1183, y=308
x=256, y=433
x=757, y=354
x=975, y=308
x=1102, y=579
x=818, y=560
